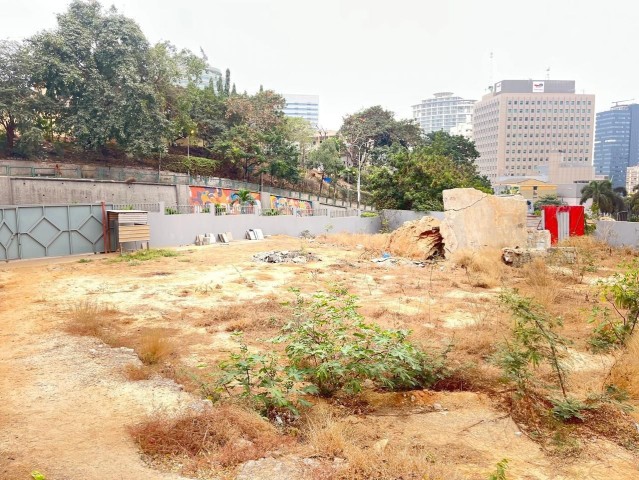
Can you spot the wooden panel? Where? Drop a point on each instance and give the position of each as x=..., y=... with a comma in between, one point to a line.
x=134, y=233
x=136, y=218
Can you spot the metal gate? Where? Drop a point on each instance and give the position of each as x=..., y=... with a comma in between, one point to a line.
x=50, y=231
x=563, y=223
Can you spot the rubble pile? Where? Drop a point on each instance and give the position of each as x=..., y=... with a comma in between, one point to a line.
x=285, y=256
x=417, y=239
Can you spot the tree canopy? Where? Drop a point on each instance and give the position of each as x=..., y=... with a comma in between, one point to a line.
x=415, y=179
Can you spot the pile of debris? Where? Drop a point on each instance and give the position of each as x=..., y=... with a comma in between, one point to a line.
x=286, y=256
x=419, y=239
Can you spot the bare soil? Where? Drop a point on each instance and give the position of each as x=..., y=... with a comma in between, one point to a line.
x=66, y=402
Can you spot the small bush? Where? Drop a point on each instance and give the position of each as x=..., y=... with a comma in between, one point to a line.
x=617, y=321
x=500, y=470
x=259, y=379
x=369, y=214
x=334, y=349
x=136, y=373
x=567, y=409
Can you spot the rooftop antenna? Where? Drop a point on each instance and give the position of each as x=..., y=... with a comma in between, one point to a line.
x=548, y=73
x=491, y=71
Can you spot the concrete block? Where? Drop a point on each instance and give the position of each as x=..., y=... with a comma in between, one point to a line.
x=474, y=219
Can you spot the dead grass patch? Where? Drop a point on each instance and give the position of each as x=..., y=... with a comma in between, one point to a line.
x=625, y=372
x=91, y=319
x=483, y=267
x=541, y=283
x=247, y=316
x=364, y=459
x=224, y=436
x=135, y=373
x=154, y=348
x=373, y=244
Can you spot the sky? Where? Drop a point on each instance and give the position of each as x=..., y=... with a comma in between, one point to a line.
x=359, y=53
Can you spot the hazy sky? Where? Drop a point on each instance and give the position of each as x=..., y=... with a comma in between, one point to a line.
x=358, y=53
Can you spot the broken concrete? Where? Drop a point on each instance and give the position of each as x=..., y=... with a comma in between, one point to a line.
x=474, y=219
x=285, y=256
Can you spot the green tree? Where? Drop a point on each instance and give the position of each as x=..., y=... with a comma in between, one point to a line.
x=326, y=158
x=548, y=200
x=604, y=198
x=17, y=99
x=368, y=136
x=227, y=82
x=415, y=180
x=95, y=66
x=299, y=132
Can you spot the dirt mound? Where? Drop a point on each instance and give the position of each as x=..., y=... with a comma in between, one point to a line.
x=417, y=239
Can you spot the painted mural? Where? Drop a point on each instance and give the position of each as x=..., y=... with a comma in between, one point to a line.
x=214, y=195
x=284, y=203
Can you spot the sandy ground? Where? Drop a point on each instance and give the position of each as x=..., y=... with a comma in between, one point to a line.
x=65, y=402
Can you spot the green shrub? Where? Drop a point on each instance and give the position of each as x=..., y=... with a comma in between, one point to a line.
x=534, y=341
x=170, y=211
x=500, y=470
x=617, y=321
x=566, y=409
x=334, y=349
x=259, y=379
x=369, y=214
x=30, y=143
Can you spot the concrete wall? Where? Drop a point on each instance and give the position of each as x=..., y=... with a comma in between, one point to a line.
x=618, y=234
x=42, y=191
x=175, y=230
x=396, y=218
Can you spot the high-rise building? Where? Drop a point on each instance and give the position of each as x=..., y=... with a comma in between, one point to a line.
x=443, y=112
x=211, y=75
x=632, y=178
x=303, y=106
x=535, y=128
x=617, y=142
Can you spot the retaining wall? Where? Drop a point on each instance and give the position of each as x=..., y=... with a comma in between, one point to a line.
x=393, y=219
x=618, y=234
x=175, y=230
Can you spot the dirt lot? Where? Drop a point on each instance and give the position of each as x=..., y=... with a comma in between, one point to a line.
x=67, y=400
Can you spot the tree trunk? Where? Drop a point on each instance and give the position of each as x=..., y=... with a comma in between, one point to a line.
x=11, y=135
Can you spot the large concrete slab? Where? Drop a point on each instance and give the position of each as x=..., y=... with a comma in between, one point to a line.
x=474, y=219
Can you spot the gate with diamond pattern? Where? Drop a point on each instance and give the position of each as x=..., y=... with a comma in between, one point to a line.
x=50, y=231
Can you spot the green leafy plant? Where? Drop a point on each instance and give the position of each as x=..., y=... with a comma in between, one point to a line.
x=332, y=347
x=170, y=211
x=35, y=475
x=260, y=379
x=617, y=321
x=369, y=214
x=566, y=409
x=535, y=340
x=500, y=470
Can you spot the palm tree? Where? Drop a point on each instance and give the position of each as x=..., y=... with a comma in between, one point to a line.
x=604, y=198
x=244, y=197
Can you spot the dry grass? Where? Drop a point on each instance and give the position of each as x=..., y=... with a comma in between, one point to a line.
x=365, y=459
x=247, y=316
x=154, y=348
x=226, y=435
x=541, y=283
x=374, y=244
x=625, y=372
x=90, y=318
x=135, y=373
x=483, y=267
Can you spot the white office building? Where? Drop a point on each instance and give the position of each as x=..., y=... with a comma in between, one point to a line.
x=303, y=106
x=443, y=112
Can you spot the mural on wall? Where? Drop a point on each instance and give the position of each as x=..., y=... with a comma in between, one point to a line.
x=283, y=203
x=215, y=195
